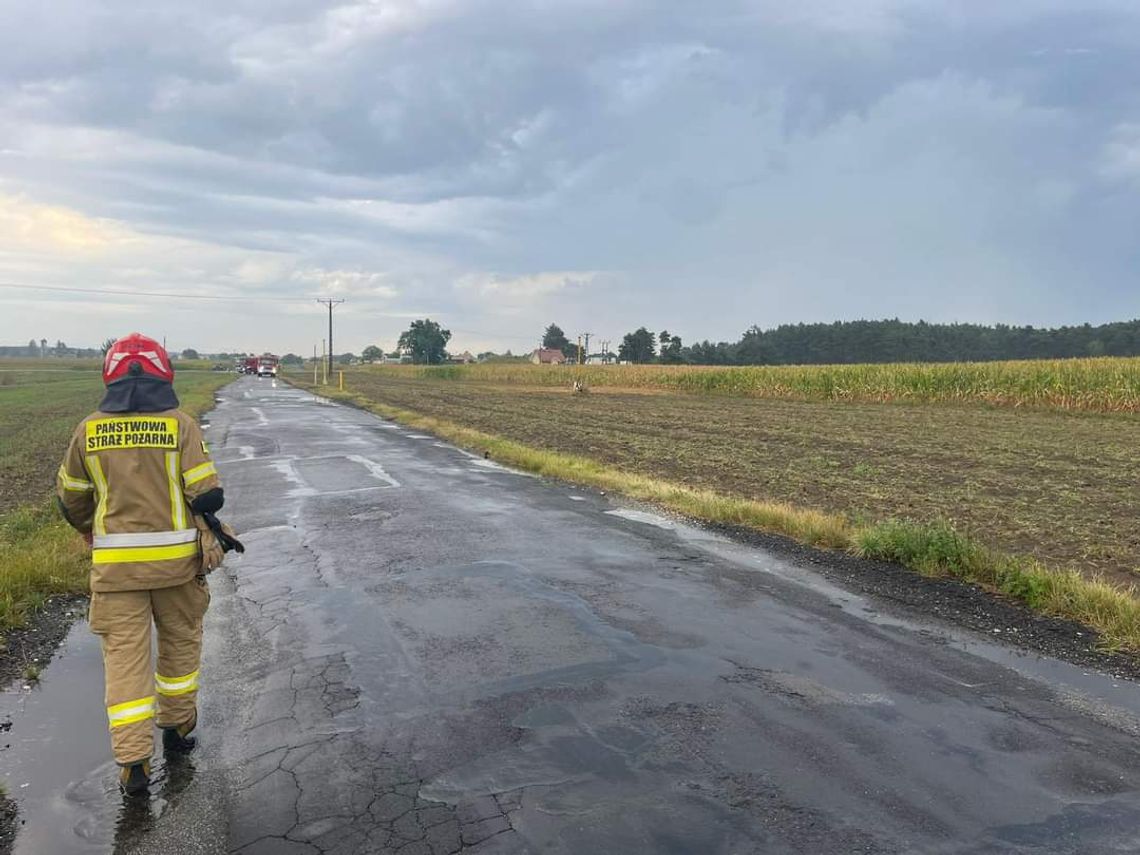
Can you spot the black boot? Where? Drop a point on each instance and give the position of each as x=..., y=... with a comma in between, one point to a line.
x=135, y=779
x=177, y=740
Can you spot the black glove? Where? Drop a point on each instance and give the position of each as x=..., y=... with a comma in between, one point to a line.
x=224, y=534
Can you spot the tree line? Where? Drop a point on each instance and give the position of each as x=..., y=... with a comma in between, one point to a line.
x=425, y=341
x=886, y=341
x=839, y=342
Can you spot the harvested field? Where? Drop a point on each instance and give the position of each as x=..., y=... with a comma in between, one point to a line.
x=1059, y=486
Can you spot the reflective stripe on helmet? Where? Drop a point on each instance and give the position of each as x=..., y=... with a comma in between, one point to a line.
x=140, y=350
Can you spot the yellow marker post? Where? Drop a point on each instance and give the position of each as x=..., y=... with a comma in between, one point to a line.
x=341, y=373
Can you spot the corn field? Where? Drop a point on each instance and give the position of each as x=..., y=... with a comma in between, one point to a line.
x=1105, y=384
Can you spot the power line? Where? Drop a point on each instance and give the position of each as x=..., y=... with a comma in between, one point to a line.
x=123, y=292
x=224, y=298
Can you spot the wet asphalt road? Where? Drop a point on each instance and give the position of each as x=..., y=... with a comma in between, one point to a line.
x=424, y=653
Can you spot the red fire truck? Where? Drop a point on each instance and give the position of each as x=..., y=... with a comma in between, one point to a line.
x=267, y=365
x=261, y=366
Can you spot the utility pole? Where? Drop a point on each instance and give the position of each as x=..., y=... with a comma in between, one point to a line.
x=330, y=303
x=586, y=357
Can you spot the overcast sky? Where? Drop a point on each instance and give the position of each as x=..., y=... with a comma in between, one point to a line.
x=501, y=164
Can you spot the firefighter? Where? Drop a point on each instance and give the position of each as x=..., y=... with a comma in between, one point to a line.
x=136, y=482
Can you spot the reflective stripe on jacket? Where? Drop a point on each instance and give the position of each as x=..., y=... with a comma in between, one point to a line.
x=128, y=479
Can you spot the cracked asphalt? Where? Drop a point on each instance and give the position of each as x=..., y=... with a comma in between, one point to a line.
x=424, y=653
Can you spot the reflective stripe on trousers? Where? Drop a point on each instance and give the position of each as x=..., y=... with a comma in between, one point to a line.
x=131, y=711
x=171, y=686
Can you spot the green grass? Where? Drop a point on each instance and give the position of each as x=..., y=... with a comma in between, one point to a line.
x=931, y=547
x=40, y=555
x=937, y=549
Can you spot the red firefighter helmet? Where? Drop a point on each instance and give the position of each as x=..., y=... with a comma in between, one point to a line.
x=136, y=349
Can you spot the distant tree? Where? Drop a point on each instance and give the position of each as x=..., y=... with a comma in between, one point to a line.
x=60, y=347
x=486, y=355
x=555, y=339
x=671, y=351
x=638, y=346
x=33, y=348
x=43, y=347
x=292, y=359
x=346, y=358
x=426, y=341
x=190, y=353
x=372, y=354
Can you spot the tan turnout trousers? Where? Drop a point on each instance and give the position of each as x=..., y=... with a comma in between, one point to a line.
x=137, y=696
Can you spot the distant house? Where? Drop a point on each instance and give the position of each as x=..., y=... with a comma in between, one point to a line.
x=548, y=356
x=466, y=357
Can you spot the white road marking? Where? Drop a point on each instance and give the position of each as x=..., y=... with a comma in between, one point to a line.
x=300, y=488
x=643, y=517
x=375, y=468
x=262, y=421
x=484, y=463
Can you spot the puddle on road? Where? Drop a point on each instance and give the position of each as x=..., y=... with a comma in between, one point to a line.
x=57, y=762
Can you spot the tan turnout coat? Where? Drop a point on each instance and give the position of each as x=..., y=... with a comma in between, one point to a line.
x=128, y=479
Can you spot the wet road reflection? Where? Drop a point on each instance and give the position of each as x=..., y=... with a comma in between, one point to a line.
x=57, y=762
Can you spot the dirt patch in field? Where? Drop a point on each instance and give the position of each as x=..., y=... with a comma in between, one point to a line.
x=1058, y=486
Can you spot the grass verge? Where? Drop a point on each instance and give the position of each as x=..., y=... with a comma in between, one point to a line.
x=41, y=556
x=935, y=549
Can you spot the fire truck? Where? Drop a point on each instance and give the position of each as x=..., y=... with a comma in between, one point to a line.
x=260, y=366
x=267, y=365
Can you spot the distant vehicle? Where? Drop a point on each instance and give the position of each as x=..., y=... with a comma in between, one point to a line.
x=219, y=366
x=267, y=365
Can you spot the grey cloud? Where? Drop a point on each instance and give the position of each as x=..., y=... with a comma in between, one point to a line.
x=725, y=162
